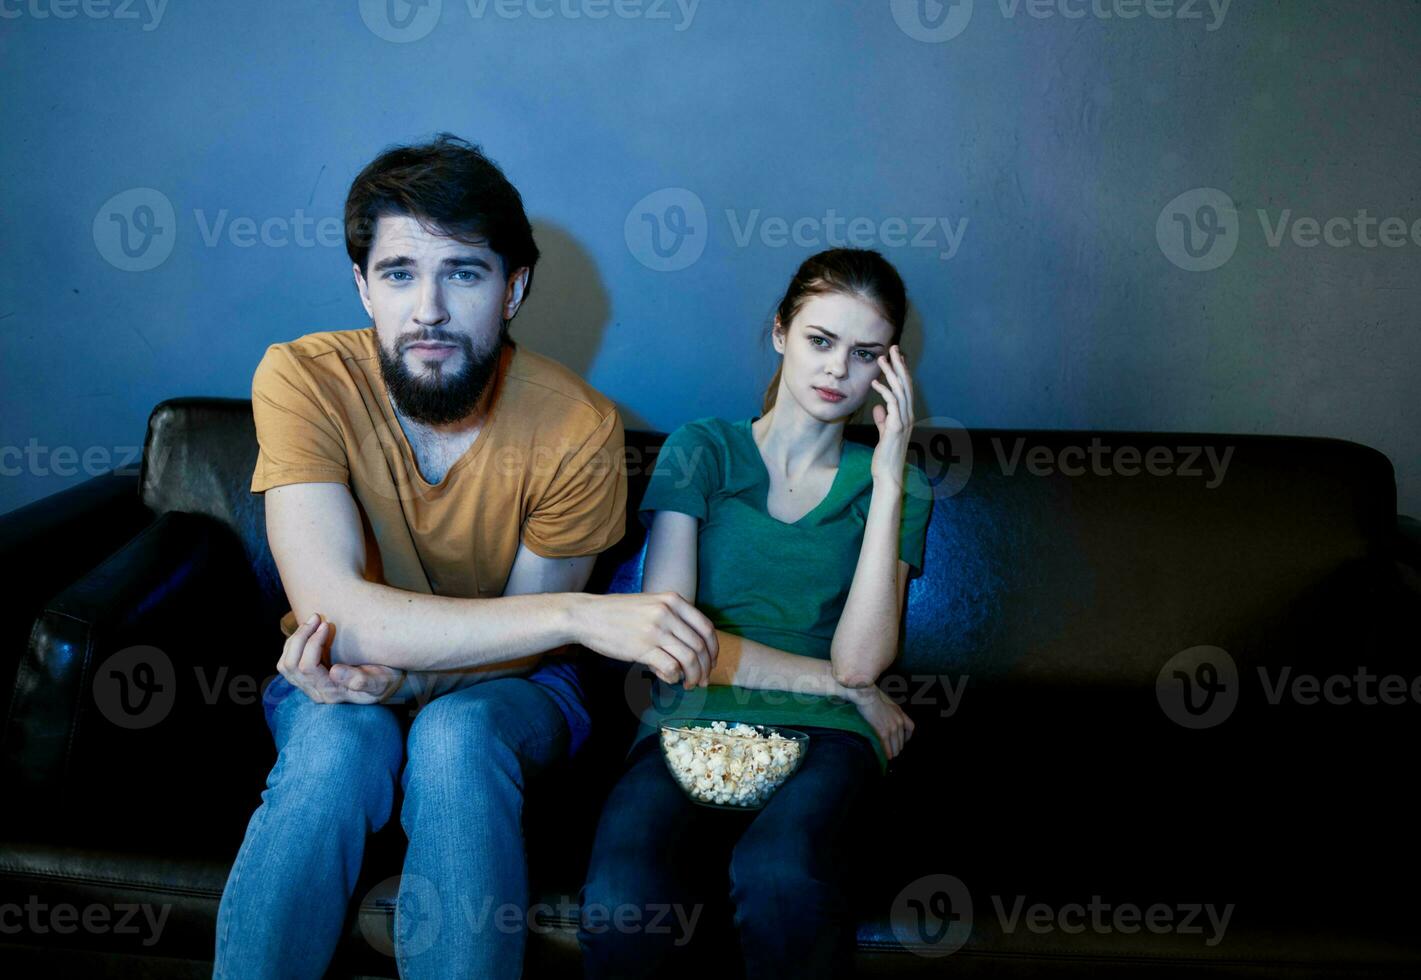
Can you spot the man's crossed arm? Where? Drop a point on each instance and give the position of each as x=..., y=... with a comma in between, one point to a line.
x=317, y=541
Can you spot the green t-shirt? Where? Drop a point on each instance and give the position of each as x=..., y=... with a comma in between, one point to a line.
x=783, y=585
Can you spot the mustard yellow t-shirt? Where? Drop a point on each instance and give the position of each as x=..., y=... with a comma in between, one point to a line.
x=547, y=468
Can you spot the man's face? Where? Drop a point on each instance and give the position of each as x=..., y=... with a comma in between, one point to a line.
x=440, y=309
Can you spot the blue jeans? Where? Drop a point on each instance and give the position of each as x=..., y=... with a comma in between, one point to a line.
x=470, y=752
x=657, y=878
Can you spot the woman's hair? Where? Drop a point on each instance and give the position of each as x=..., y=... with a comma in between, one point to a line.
x=858, y=272
x=449, y=187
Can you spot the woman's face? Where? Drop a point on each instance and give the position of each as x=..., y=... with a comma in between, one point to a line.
x=831, y=348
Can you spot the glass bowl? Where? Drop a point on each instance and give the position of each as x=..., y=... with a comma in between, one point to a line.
x=727, y=764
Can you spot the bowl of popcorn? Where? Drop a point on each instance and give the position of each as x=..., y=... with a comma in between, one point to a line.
x=729, y=764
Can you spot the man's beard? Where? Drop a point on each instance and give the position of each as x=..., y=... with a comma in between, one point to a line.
x=440, y=398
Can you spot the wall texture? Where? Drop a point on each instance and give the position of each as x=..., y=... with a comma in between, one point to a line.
x=1135, y=214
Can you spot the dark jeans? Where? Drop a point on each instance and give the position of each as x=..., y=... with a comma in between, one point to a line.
x=657, y=885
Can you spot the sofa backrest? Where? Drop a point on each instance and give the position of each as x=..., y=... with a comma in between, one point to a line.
x=198, y=458
x=1053, y=557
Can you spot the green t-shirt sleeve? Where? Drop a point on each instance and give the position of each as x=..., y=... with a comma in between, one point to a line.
x=917, y=509
x=686, y=473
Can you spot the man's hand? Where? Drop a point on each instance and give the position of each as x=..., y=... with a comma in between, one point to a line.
x=884, y=715
x=381, y=683
x=660, y=630
x=304, y=662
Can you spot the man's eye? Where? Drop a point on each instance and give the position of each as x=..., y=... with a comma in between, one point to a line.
x=393, y=273
x=471, y=275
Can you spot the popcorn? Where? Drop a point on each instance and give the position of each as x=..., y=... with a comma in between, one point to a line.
x=730, y=765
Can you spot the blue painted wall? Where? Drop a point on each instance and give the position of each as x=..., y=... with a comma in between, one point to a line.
x=173, y=172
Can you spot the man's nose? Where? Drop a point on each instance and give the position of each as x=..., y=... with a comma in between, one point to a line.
x=431, y=310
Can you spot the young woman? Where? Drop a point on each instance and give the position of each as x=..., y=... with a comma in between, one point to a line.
x=798, y=545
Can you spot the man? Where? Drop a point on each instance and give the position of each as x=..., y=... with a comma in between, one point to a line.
x=435, y=499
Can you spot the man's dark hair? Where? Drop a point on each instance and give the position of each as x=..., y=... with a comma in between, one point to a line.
x=450, y=188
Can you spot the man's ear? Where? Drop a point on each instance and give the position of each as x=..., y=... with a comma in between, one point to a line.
x=777, y=335
x=513, y=294
x=363, y=290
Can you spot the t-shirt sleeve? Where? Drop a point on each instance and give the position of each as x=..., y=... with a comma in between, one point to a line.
x=584, y=510
x=686, y=473
x=298, y=440
x=917, y=510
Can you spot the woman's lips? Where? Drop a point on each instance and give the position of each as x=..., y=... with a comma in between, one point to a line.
x=830, y=396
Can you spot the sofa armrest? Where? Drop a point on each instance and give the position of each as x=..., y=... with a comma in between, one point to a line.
x=55, y=540
x=1408, y=541
x=1407, y=554
x=97, y=707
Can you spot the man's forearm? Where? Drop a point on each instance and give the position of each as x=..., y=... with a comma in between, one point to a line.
x=422, y=686
x=378, y=624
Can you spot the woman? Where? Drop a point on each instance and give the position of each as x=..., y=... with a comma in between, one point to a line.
x=798, y=545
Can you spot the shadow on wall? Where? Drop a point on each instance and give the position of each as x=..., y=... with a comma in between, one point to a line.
x=568, y=309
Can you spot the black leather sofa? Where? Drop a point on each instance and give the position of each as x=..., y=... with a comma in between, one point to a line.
x=1055, y=814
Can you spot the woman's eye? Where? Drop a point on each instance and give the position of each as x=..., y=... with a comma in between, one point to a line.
x=819, y=341
x=867, y=354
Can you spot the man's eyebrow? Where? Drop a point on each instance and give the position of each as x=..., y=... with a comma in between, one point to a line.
x=833, y=336
x=455, y=261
